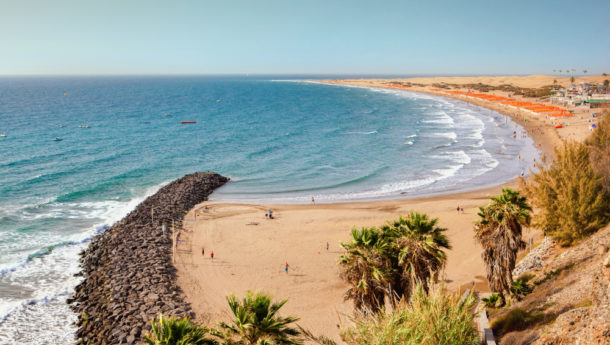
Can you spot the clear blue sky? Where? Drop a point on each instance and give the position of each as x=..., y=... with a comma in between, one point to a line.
x=301, y=37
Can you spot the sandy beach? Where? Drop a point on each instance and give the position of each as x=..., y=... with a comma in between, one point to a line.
x=250, y=251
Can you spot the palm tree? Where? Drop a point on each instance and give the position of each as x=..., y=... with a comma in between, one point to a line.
x=418, y=245
x=367, y=268
x=390, y=261
x=420, y=260
x=257, y=322
x=499, y=232
x=171, y=331
x=420, y=225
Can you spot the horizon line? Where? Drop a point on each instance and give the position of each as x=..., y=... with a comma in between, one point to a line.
x=395, y=75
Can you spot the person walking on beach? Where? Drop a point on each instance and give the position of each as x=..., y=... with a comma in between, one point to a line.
x=212, y=255
x=202, y=251
x=458, y=209
x=286, y=268
x=313, y=201
x=326, y=246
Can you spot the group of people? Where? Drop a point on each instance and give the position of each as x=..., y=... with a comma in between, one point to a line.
x=269, y=214
x=460, y=209
x=203, y=253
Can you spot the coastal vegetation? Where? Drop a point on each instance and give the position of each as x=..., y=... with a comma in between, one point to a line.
x=426, y=318
x=174, y=331
x=598, y=144
x=256, y=322
x=389, y=261
x=492, y=300
x=430, y=315
x=499, y=231
x=543, y=91
x=570, y=192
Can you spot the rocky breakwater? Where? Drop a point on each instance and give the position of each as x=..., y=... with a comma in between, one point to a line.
x=128, y=274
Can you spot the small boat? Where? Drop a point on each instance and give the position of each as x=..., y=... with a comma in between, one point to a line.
x=2, y=135
x=84, y=126
x=185, y=122
x=57, y=139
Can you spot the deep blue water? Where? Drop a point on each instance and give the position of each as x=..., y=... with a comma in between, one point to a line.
x=279, y=141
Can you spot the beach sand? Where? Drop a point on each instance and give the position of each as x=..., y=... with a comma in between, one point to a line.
x=252, y=257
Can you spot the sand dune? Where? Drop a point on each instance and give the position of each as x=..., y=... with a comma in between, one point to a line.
x=530, y=81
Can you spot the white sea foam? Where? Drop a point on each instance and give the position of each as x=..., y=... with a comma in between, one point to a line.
x=449, y=135
x=448, y=172
x=45, y=280
x=442, y=121
x=362, y=133
x=485, y=158
x=439, y=118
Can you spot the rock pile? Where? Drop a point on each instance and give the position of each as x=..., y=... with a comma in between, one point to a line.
x=534, y=260
x=128, y=275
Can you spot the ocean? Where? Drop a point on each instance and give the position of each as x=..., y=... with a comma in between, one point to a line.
x=81, y=152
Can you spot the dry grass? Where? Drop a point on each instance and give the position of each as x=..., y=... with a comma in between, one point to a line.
x=437, y=318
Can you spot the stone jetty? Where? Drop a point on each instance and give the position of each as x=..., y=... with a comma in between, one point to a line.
x=128, y=273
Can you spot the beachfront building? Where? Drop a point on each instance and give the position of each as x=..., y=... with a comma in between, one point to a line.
x=594, y=95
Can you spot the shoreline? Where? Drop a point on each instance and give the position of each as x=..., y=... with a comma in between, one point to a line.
x=250, y=249
x=544, y=143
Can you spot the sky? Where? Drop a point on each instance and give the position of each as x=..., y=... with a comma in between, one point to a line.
x=85, y=37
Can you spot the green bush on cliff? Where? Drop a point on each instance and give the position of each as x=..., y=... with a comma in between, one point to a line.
x=599, y=146
x=569, y=195
x=426, y=319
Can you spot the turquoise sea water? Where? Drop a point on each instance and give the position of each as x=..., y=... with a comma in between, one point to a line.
x=279, y=141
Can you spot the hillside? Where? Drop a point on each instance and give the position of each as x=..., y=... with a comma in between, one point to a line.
x=570, y=300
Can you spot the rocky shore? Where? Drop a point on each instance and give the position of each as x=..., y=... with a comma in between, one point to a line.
x=128, y=274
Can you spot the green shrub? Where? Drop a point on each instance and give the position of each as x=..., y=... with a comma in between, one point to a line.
x=427, y=319
x=520, y=288
x=492, y=301
x=569, y=195
x=599, y=146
